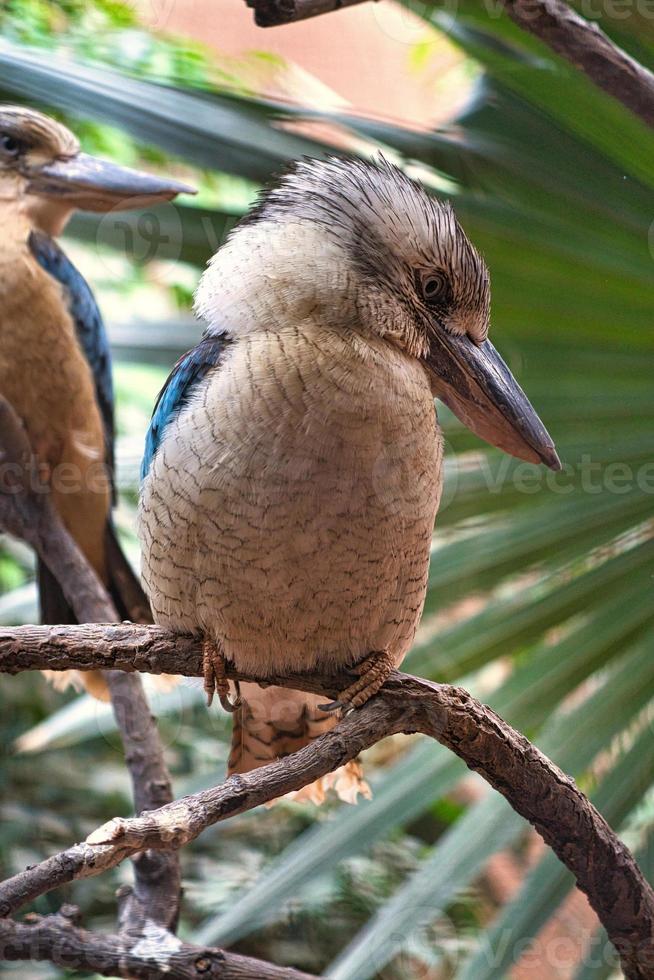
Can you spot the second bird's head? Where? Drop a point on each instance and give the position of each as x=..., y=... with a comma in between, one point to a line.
x=360, y=246
x=41, y=158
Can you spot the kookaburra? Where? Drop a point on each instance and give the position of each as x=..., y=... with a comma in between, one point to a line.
x=55, y=366
x=293, y=467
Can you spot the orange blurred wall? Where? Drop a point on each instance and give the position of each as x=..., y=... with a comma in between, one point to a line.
x=375, y=58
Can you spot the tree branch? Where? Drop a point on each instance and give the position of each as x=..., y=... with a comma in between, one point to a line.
x=604, y=868
x=102, y=646
x=588, y=48
x=272, y=13
x=26, y=510
x=157, y=955
x=156, y=893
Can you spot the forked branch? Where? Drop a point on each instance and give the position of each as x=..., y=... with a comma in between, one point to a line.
x=534, y=786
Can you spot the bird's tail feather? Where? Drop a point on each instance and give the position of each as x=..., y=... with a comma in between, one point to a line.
x=127, y=594
x=273, y=722
x=124, y=586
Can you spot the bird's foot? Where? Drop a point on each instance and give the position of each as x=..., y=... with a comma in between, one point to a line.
x=373, y=672
x=215, y=676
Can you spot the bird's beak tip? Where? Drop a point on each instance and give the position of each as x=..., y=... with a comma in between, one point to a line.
x=476, y=384
x=551, y=459
x=177, y=187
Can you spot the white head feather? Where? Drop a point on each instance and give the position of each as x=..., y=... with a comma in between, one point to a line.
x=349, y=242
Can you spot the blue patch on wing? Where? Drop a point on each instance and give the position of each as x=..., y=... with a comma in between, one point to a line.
x=89, y=328
x=182, y=382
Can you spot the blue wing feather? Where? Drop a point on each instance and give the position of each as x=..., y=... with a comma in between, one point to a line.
x=89, y=327
x=189, y=371
x=91, y=335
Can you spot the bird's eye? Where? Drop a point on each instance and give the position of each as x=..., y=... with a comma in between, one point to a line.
x=435, y=288
x=9, y=145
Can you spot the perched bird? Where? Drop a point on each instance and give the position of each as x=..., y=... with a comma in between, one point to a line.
x=293, y=466
x=55, y=365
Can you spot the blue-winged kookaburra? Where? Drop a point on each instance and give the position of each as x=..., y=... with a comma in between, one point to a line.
x=55, y=364
x=293, y=466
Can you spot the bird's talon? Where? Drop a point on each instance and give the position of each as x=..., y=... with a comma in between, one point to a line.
x=227, y=703
x=331, y=706
x=215, y=677
x=371, y=673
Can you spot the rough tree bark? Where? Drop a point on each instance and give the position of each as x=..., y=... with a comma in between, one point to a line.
x=534, y=786
x=26, y=510
x=157, y=956
x=588, y=48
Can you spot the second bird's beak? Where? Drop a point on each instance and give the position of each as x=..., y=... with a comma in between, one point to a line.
x=475, y=383
x=88, y=183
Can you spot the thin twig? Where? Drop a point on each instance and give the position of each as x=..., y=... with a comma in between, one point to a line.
x=156, y=893
x=604, y=868
x=156, y=956
x=272, y=13
x=26, y=510
x=587, y=47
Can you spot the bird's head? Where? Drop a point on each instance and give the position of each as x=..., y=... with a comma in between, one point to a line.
x=41, y=158
x=363, y=247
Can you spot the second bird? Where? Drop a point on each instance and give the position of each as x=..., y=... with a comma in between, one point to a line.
x=55, y=366
x=293, y=467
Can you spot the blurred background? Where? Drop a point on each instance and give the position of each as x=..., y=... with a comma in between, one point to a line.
x=540, y=597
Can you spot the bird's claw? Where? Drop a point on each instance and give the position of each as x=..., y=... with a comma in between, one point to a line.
x=226, y=701
x=332, y=706
x=373, y=672
x=215, y=677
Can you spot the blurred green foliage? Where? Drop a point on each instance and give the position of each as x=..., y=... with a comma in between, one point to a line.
x=107, y=31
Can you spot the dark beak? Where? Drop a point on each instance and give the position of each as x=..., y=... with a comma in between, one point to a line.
x=90, y=184
x=475, y=383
